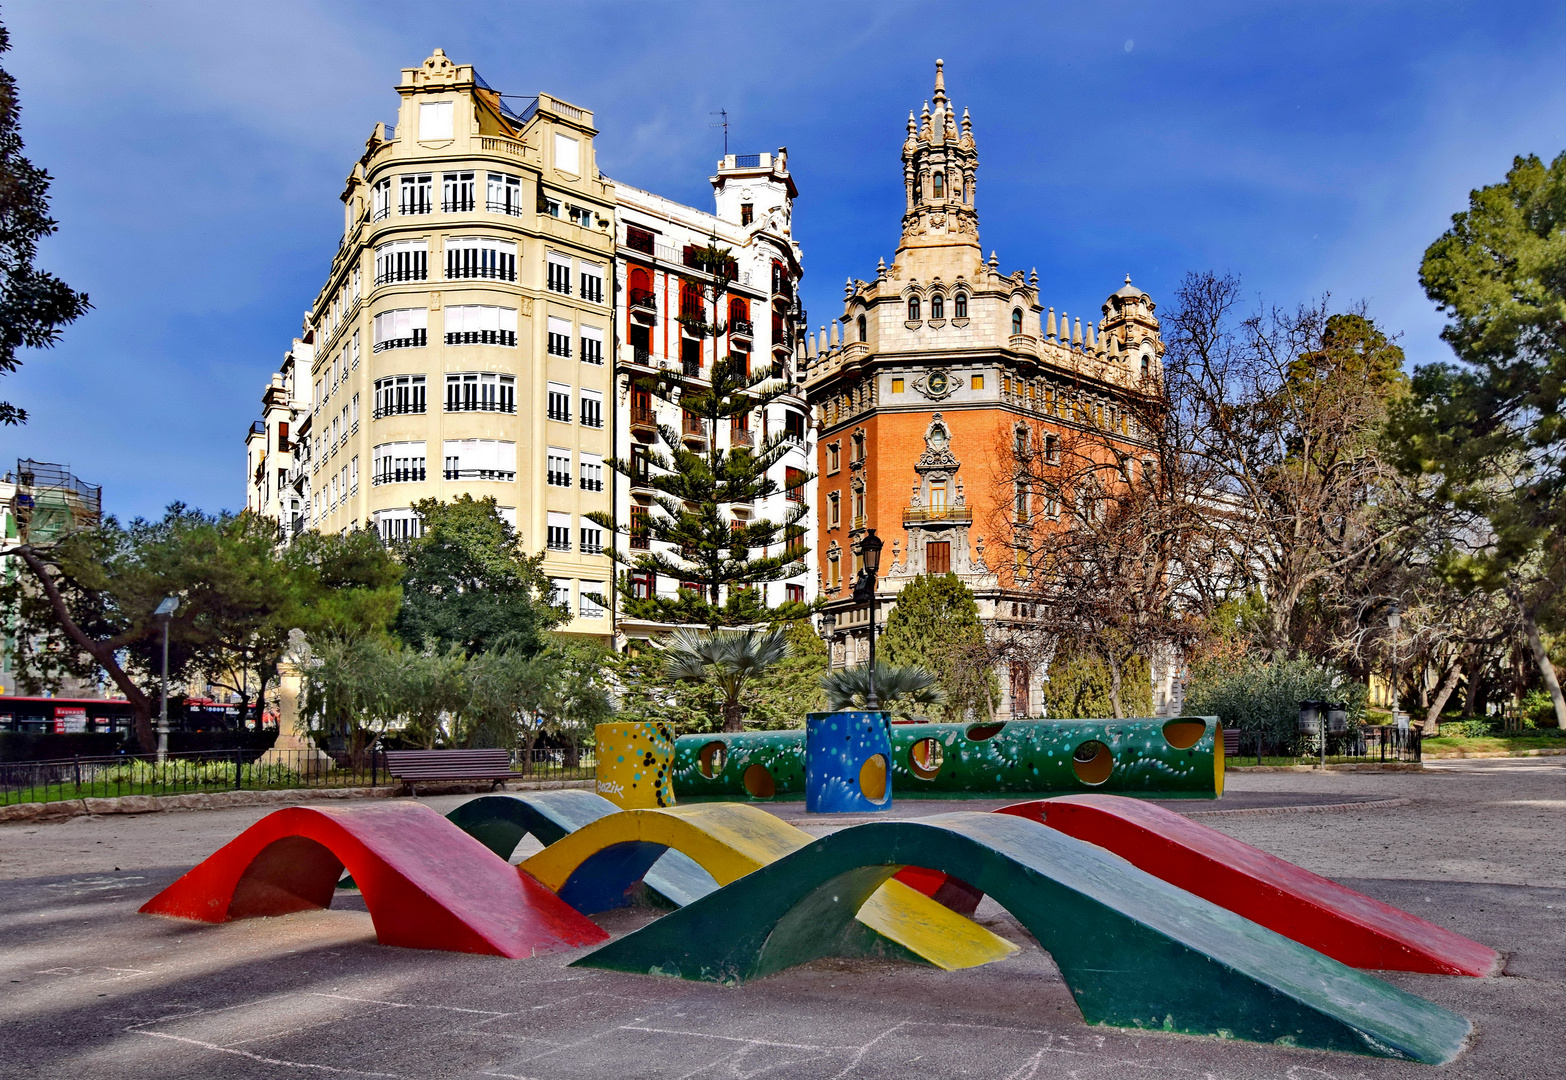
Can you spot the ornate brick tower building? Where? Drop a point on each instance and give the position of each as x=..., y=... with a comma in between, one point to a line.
x=942, y=362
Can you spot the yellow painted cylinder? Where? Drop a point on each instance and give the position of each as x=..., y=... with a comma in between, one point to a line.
x=634, y=764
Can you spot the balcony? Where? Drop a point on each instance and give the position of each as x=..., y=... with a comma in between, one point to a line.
x=643, y=305
x=589, y=484
x=691, y=368
x=398, y=408
x=695, y=430
x=742, y=330
x=643, y=417
x=642, y=357
x=507, y=338
x=937, y=515
x=741, y=437
x=462, y=204
x=476, y=404
x=416, y=339
x=558, y=479
x=641, y=478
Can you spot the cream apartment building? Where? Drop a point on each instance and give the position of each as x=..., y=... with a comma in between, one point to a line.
x=464, y=329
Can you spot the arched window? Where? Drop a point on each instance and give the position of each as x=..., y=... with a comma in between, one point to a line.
x=940, y=185
x=937, y=306
x=863, y=336
x=962, y=190
x=1016, y=320
x=739, y=310
x=960, y=306
x=913, y=309
x=641, y=284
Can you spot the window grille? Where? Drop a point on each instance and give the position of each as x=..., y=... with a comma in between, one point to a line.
x=398, y=463
x=402, y=260
x=457, y=193
x=474, y=257
x=479, y=391
x=417, y=193
x=481, y=324
x=480, y=459
x=402, y=328
x=503, y=194
x=558, y=402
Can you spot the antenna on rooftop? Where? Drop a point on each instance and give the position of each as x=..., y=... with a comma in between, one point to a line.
x=724, y=124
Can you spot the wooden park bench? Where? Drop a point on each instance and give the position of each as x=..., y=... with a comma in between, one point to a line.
x=1231, y=742
x=426, y=766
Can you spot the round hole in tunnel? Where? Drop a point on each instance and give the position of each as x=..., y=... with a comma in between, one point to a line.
x=872, y=778
x=1092, y=762
x=758, y=781
x=980, y=732
x=1184, y=734
x=925, y=759
x=712, y=758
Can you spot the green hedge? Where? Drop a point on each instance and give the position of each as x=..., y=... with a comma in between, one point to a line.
x=1256, y=696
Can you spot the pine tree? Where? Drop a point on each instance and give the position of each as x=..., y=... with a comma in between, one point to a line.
x=34, y=304
x=717, y=559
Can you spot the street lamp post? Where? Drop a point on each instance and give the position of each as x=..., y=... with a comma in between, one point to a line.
x=165, y=611
x=828, y=628
x=864, y=593
x=1394, y=622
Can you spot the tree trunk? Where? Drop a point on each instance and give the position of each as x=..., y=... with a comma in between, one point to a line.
x=733, y=717
x=1433, y=717
x=101, y=652
x=1540, y=657
x=1114, y=685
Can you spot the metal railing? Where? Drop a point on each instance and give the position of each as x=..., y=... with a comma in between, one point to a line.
x=915, y=514
x=1364, y=745
x=643, y=298
x=113, y=776
x=741, y=328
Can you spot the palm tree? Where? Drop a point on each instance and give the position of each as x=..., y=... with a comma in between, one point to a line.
x=903, y=691
x=727, y=659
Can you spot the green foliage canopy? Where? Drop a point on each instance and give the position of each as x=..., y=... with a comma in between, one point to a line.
x=467, y=583
x=935, y=625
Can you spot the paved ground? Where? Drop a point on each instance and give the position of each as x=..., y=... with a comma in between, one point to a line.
x=89, y=988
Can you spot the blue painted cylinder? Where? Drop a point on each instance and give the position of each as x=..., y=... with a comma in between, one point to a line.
x=847, y=762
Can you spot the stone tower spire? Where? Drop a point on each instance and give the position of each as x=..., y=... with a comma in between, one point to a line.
x=940, y=162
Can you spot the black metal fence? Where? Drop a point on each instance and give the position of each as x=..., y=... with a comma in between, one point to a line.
x=109, y=777
x=1363, y=745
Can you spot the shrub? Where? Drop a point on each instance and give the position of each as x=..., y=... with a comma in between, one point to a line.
x=1255, y=696
x=1466, y=729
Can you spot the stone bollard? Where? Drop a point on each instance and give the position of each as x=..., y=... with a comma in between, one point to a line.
x=847, y=762
x=634, y=765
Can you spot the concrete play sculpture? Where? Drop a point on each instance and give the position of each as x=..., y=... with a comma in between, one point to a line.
x=1339, y=922
x=499, y=822
x=633, y=764
x=427, y=884
x=1134, y=951
x=593, y=868
x=739, y=766
x=1179, y=758
x=847, y=758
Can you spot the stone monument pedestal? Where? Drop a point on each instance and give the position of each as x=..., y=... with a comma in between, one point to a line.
x=293, y=748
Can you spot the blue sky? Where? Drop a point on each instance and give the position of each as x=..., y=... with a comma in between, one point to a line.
x=198, y=150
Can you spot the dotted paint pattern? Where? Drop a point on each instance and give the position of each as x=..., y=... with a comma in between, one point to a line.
x=1020, y=756
x=837, y=745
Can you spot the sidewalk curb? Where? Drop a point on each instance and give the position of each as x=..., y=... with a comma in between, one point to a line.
x=1463, y=755
x=1373, y=804
x=1387, y=766
x=224, y=800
